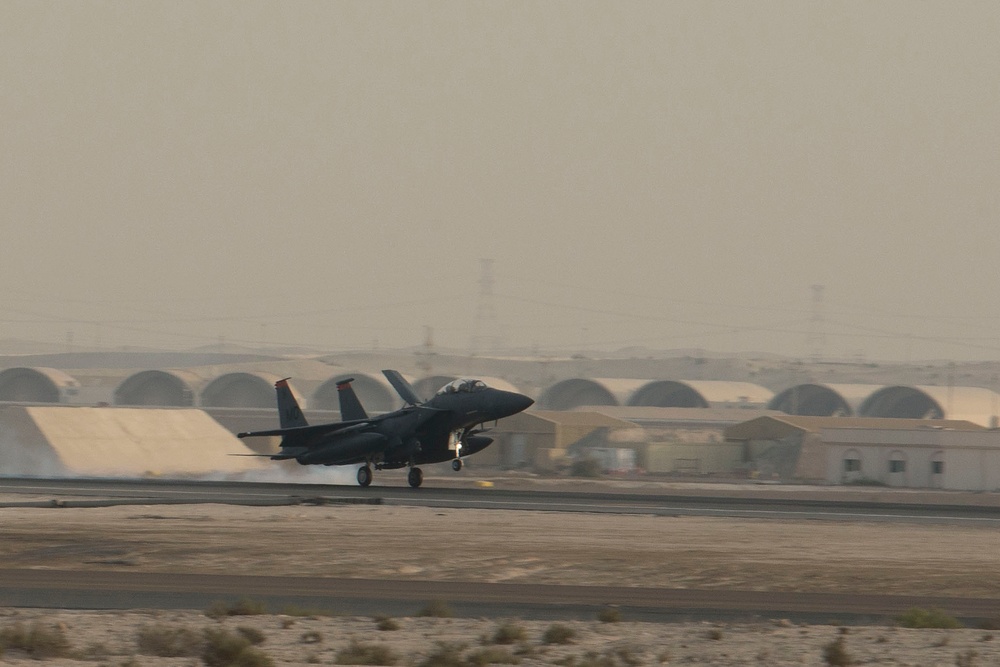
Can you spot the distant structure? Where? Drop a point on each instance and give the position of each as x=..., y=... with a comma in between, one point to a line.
x=485, y=338
x=816, y=339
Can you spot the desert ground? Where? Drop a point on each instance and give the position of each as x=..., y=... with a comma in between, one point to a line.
x=954, y=559
x=960, y=559
x=110, y=638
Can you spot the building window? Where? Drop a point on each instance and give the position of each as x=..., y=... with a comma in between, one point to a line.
x=897, y=466
x=937, y=467
x=852, y=465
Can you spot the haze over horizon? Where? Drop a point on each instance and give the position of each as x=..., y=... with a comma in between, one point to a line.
x=642, y=174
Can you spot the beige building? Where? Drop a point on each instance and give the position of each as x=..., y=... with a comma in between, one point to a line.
x=939, y=458
x=916, y=453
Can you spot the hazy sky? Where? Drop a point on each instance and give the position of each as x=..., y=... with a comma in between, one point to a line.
x=658, y=174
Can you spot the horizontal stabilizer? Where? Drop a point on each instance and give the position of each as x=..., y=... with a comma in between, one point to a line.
x=309, y=431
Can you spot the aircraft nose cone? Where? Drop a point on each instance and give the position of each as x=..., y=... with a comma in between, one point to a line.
x=522, y=402
x=511, y=403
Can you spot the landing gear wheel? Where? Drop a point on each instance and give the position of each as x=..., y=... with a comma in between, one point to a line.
x=415, y=478
x=456, y=464
x=364, y=476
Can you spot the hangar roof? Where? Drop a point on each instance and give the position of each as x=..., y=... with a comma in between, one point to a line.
x=685, y=416
x=533, y=420
x=775, y=428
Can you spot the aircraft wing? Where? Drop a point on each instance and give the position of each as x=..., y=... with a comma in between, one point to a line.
x=313, y=430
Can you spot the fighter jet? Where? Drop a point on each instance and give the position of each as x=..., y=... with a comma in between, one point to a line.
x=447, y=427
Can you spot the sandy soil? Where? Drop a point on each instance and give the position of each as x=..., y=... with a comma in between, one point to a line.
x=376, y=541
x=111, y=639
x=508, y=546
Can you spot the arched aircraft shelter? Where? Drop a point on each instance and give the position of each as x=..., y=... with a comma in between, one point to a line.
x=241, y=390
x=700, y=394
x=375, y=393
x=157, y=388
x=975, y=404
x=37, y=385
x=576, y=392
x=822, y=400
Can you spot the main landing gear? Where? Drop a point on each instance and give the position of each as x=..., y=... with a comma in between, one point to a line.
x=415, y=478
x=365, y=476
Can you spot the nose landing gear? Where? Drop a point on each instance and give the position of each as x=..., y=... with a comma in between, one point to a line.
x=456, y=464
x=415, y=477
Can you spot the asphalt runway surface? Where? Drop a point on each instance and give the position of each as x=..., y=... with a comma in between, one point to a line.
x=128, y=590
x=106, y=492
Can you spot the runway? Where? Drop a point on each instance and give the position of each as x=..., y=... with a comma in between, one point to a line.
x=701, y=502
x=125, y=589
x=129, y=590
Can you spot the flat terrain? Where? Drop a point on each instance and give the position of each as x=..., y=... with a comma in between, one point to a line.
x=523, y=547
x=511, y=546
x=110, y=639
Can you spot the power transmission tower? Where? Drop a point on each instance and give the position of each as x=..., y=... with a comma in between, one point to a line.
x=816, y=339
x=486, y=337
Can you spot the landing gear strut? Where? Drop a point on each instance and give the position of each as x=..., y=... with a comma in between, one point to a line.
x=364, y=476
x=456, y=464
x=415, y=478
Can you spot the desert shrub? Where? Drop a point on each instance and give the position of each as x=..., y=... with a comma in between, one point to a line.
x=242, y=607
x=595, y=659
x=835, y=653
x=95, y=651
x=627, y=656
x=715, y=634
x=968, y=658
x=306, y=612
x=230, y=649
x=557, y=633
x=386, y=623
x=585, y=467
x=39, y=641
x=509, y=633
x=492, y=655
x=311, y=637
x=990, y=624
x=436, y=609
x=610, y=615
x=445, y=654
x=927, y=618
x=165, y=641
x=358, y=653
x=252, y=635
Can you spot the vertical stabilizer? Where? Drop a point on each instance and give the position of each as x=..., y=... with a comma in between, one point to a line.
x=402, y=387
x=350, y=407
x=289, y=414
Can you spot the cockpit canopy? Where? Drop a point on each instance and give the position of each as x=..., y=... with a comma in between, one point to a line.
x=462, y=385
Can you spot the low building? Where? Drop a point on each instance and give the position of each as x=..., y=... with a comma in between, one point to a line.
x=918, y=453
x=937, y=458
x=540, y=438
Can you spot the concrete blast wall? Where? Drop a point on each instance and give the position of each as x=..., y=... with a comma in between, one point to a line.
x=130, y=442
